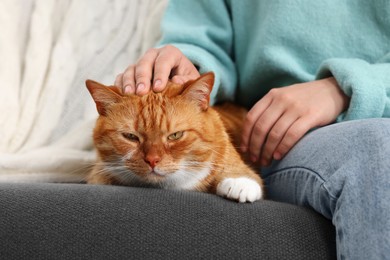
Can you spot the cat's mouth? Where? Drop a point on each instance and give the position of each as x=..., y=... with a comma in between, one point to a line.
x=154, y=172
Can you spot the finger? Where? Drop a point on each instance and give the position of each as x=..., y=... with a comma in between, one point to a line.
x=160, y=78
x=297, y=130
x=262, y=127
x=165, y=63
x=144, y=72
x=172, y=63
x=275, y=136
x=186, y=68
x=119, y=80
x=178, y=80
x=183, y=79
x=251, y=119
x=128, y=82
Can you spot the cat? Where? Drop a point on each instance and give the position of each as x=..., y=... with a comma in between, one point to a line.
x=171, y=140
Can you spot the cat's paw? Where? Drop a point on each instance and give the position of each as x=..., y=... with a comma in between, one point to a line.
x=242, y=189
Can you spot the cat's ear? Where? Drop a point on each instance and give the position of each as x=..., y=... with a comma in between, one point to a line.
x=102, y=95
x=200, y=89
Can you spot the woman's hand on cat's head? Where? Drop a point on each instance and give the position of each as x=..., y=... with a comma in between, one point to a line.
x=153, y=70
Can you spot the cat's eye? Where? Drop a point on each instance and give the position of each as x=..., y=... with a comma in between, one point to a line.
x=176, y=136
x=131, y=137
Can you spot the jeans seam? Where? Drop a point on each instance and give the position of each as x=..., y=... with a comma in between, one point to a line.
x=297, y=168
x=277, y=172
x=332, y=197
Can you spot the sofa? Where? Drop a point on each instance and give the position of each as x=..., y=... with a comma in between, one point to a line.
x=80, y=221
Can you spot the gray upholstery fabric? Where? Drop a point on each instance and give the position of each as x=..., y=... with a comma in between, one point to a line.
x=76, y=221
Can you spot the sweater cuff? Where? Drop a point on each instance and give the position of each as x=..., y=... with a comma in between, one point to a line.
x=360, y=81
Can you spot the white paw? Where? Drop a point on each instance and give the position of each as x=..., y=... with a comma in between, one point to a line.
x=241, y=189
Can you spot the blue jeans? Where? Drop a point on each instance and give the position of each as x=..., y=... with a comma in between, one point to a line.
x=343, y=172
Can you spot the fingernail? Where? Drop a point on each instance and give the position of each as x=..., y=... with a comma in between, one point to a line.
x=128, y=89
x=140, y=88
x=253, y=158
x=157, y=84
x=277, y=156
x=264, y=162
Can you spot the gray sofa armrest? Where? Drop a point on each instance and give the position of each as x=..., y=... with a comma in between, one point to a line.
x=76, y=221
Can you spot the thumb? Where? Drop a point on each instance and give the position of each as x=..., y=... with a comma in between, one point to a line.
x=180, y=79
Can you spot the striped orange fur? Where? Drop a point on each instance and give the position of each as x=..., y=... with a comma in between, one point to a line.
x=171, y=140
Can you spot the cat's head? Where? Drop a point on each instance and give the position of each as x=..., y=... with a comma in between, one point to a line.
x=166, y=138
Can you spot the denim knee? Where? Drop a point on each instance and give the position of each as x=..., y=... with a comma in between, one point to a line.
x=351, y=155
x=343, y=172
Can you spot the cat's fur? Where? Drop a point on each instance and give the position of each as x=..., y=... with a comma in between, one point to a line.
x=171, y=140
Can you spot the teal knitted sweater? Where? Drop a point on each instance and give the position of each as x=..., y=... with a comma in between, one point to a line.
x=256, y=45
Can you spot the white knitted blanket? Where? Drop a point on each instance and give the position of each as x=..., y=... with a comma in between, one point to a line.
x=48, y=48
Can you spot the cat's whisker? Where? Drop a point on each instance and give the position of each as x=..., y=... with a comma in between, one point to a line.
x=83, y=168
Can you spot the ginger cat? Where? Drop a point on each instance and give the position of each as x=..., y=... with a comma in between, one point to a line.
x=171, y=140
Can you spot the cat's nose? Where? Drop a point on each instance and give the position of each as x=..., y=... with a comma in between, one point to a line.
x=152, y=160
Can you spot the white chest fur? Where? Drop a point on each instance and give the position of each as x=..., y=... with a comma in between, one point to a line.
x=186, y=178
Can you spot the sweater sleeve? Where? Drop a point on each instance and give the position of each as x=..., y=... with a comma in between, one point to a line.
x=202, y=30
x=368, y=85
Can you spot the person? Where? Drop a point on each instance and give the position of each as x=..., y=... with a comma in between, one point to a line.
x=315, y=76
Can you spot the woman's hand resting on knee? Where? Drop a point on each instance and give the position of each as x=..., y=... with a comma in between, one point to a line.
x=283, y=116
